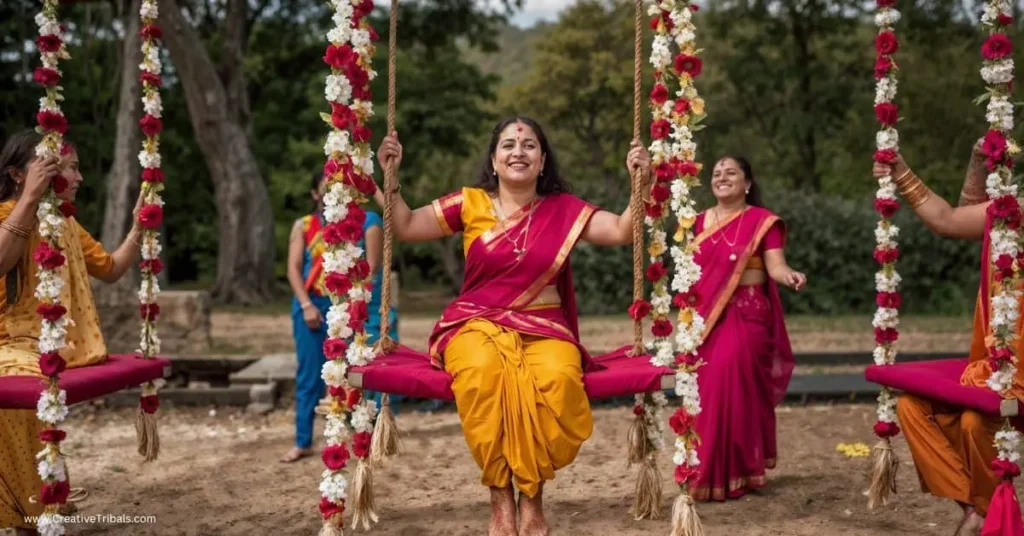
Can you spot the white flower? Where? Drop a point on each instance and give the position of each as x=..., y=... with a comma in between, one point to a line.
x=999, y=113
x=149, y=160
x=359, y=293
x=149, y=10
x=363, y=416
x=334, y=429
x=886, y=18
x=359, y=354
x=998, y=72
x=887, y=138
x=338, y=89
x=151, y=103
x=886, y=317
x=887, y=283
x=337, y=142
x=50, y=525
x=52, y=470
x=661, y=55
x=333, y=372
x=52, y=409
x=885, y=90
x=360, y=39
x=332, y=486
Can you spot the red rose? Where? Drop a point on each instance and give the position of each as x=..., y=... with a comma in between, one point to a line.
x=664, y=172
x=68, y=209
x=886, y=335
x=660, y=129
x=654, y=210
x=997, y=46
x=362, y=93
x=336, y=391
x=52, y=435
x=659, y=94
x=342, y=117
x=886, y=256
x=639, y=309
x=891, y=300
x=332, y=234
x=1004, y=20
x=687, y=359
x=687, y=64
x=352, y=397
x=638, y=410
x=339, y=57
x=51, y=364
x=151, y=216
x=661, y=328
x=350, y=231
x=335, y=457
x=154, y=175
x=149, y=404
x=363, y=8
x=660, y=192
x=656, y=271
x=56, y=493
x=994, y=145
x=330, y=509
x=669, y=25
x=338, y=283
x=1004, y=263
x=333, y=167
x=51, y=311
x=694, y=7
x=886, y=429
x=335, y=348
x=49, y=43
x=52, y=121
x=150, y=79
x=155, y=266
x=151, y=31
x=681, y=421
x=359, y=271
x=685, y=473
x=361, y=444
x=885, y=156
x=885, y=3
x=356, y=214
x=151, y=126
x=358, y=312
x=686, y=168
x=887, y=207
x=886, y=43
x=1005, y=469
x=46, y=77
x=654, y=22
x=149, y=311
x=1003, y=207
x=59, y=183
x=358, y=78
x=361, y=134
x=887, y=113
x=48, y=257
x=686, y=299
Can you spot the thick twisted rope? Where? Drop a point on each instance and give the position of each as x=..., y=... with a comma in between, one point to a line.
x=386, y=343
x=636, y=196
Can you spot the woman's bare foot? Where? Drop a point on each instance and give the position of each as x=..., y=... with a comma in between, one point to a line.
x=296, y=454
x=972, y=523
x=503, y=512
x=531, y=515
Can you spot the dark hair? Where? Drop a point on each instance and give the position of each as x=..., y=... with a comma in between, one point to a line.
x=549, y=181
x=753, y=197
x=19, y=150
x=314, y=186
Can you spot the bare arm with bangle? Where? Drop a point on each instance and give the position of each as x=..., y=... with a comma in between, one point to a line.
x=31, y=185
x=966, y=222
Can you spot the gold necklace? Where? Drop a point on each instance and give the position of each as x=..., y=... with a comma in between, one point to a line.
x=736, y=235
x=519, y=251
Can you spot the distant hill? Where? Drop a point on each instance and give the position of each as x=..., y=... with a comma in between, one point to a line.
x=513, y=61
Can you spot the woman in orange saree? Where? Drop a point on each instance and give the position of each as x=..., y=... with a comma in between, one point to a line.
x=23, y=182
x=953, y=447
x=510, y=339
x=745, y=347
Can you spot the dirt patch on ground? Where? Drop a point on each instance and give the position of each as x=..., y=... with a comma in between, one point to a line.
x=218, y=474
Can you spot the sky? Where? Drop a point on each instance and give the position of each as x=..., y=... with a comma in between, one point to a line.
x=536, y=10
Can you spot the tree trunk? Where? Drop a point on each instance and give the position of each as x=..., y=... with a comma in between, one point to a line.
x=116, y=302
x=231, y=68
x=245, y=256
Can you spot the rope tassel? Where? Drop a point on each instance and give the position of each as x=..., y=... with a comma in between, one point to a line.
x=385, y=443
x=364, y=511
x=883, y=474
x=685, y=521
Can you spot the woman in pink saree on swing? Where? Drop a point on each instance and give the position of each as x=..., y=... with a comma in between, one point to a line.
x=510, y=339
x=746, y=350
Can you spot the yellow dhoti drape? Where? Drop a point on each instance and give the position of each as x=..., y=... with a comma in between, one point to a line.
x=521, y=401
x=19, y=355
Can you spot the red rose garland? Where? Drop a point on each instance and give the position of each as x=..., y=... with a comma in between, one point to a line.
x=1006, y=254
x=349, y=176
x=51, y=408
x=150, y=218
x=887, y=280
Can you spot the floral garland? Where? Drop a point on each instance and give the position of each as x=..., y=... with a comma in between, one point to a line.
x=51, y=408
x=151, y=214
x=673, y=151
x=349, y=176
x=887, y=280
x=1006, y=254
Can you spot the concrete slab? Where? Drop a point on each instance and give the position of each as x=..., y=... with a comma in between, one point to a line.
x=269, y=368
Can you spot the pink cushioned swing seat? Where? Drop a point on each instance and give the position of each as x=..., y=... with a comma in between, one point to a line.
x=940, y=380
x=408, y=372
x=117, y=373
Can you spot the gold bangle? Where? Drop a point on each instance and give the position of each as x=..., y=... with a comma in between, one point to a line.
x=15, y=229
x=899, y=179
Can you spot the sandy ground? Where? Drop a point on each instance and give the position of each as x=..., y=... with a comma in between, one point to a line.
x=218, y=474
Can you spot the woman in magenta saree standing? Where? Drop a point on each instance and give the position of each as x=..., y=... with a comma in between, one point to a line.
x=746, y=350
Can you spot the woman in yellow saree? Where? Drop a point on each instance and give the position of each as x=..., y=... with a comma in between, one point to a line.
x=510, y=339
x=24, y=179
